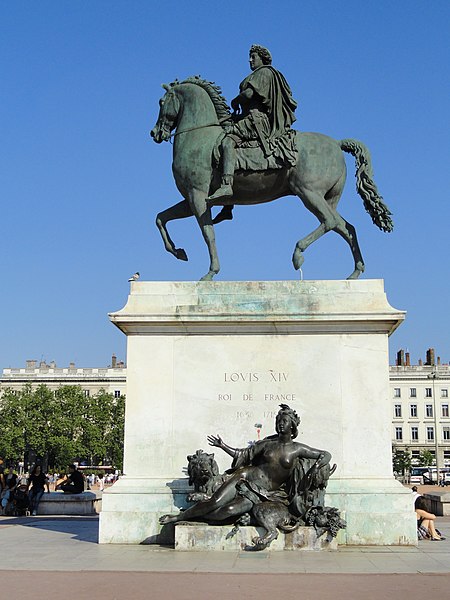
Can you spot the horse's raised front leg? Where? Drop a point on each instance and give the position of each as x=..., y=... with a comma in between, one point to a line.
x=301, y=245
x=203, y=215
x=182, y=210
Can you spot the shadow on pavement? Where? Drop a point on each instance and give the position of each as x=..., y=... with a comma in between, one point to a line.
x=84, y=529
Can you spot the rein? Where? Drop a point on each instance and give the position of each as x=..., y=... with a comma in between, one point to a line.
x=218, y=123
x=172, y=135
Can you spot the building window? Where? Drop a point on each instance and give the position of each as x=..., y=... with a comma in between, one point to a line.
x=445, y=410
x=397, y=393
x=446, y=433
x=415, y=434
x=446, y=454
x=430, y=434
x=428, y=393
x=413, y=410
x=87, y=393
x=117, y=394
x=428, y=410
x=398, y=434
x=444, y=393
x=398, y=410
x=413, y=392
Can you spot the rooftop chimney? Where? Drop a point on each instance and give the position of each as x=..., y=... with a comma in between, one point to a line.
x=430, y=357
x=420, y=362
x=407, y=360
x=31, y=364
x=72, y=365
x=400, y=358
x=114, y=361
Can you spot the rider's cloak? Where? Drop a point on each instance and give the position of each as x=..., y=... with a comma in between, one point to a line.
x=275, y=97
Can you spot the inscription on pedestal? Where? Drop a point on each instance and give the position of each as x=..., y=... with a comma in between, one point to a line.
x=257, y=380
x=246, y=392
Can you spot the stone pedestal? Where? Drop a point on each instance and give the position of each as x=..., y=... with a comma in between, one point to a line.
x=219, y=357
x=205, y=538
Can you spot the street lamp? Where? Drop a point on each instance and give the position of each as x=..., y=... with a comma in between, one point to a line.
x=433, y=375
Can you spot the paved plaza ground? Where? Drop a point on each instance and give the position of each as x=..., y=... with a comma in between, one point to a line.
x=57, y=557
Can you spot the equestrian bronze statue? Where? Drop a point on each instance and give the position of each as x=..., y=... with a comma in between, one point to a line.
x=253, y=156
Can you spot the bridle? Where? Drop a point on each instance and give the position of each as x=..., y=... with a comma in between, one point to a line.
x=216, y=124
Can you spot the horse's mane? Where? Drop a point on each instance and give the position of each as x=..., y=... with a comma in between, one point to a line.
x=215, y=93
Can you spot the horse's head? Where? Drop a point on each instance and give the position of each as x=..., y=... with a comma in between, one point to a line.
x=169, y=106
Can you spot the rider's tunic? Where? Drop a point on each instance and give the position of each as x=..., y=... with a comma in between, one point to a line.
x=272, y=106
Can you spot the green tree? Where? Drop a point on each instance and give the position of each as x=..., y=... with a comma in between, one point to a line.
x=39, y=413
x=426, y=458
x=103, y=429
x=115, y=436
x=401, y=461
x=12, y=425
x=65, y=425
x=67, y=442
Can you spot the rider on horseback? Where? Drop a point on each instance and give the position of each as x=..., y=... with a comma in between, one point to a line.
x=263, y=113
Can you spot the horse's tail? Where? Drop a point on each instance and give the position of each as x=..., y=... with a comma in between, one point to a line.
x=365, y=185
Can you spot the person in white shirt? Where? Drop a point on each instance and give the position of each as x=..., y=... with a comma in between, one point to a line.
x=415, y=493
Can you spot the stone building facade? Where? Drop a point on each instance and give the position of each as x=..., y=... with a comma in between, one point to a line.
x=421, y=406
x=112, y=379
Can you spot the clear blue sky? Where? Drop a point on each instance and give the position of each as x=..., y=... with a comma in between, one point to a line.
x=81, y=181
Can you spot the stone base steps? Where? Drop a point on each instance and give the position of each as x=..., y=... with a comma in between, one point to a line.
x=200, y=537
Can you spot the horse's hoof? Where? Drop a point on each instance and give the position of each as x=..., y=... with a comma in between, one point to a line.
x=298, y=259
x=357, y=272
x=208, y=277
x=181, y=254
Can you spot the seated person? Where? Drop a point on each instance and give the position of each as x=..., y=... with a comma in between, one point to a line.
x=73, y=483
x=6, y=497
x=10, y=477
x=425, y=519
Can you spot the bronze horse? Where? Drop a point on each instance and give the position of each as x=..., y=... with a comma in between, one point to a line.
x=195, y=109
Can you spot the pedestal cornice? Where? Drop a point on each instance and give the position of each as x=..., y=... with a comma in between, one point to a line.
x=257, y=307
